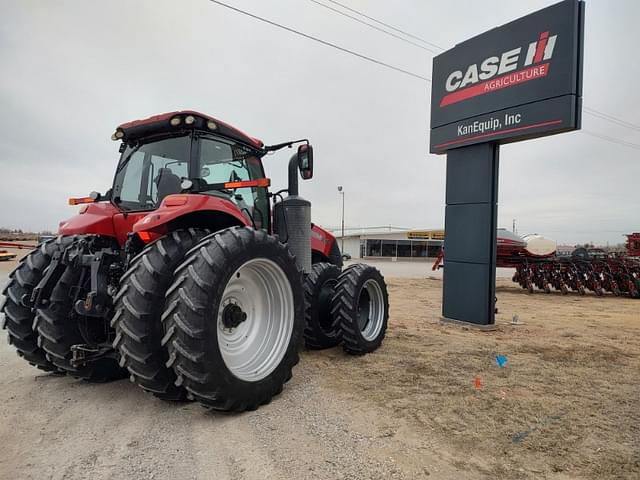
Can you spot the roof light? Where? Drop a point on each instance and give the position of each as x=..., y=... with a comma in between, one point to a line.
x=189, y=119
x=117, y=135
x=175, y=121
x=211, y=125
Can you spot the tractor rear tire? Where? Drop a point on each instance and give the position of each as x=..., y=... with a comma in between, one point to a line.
x=319, y=287
x=18, y=318
x=234, y=319
x=139, y=305
x=58, y=330
x=360, y=308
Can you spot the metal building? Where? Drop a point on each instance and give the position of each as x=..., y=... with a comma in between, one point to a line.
x=398, y=245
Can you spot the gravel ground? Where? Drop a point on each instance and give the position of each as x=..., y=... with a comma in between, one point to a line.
x=566, y=406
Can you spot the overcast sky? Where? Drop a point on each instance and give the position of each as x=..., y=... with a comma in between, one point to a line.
x=72, y=70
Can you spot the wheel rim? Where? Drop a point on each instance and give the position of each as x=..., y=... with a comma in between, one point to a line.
x=255, y=319
x=370, y=310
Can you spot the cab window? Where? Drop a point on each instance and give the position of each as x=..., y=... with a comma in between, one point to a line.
x=221, y=162
x=149, y=172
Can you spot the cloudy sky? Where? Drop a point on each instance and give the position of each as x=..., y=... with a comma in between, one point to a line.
x=74, y=69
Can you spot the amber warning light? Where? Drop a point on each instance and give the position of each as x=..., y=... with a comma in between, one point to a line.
x=81, y=200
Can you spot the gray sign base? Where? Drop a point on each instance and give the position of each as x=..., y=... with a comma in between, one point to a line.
x=473, y=326
x=469, y=278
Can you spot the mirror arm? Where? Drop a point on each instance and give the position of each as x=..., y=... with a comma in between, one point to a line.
x=278, y=146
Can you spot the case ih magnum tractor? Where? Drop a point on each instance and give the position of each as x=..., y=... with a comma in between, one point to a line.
x=189, y=276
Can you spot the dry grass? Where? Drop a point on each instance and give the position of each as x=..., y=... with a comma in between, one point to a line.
x=566, y=404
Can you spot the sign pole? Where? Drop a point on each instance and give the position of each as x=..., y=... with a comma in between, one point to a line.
x=470, y=242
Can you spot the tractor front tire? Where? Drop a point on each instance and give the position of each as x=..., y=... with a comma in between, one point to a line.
x=234, y=319
x=58, y=328
x=360, y=308
x=139, y=305
x=319, y=287
x=18, y=317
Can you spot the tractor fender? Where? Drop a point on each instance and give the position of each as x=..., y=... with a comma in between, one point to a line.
x=324, y=247
x=93, y=218
x=173, y=207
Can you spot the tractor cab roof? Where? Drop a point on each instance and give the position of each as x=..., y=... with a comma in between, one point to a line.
x=179, y=121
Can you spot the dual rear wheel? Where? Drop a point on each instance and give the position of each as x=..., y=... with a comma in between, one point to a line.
x=349, y=308
x=18, y=315
x=139, y=304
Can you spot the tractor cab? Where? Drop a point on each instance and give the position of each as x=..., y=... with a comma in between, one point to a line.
x=189, y=170
x=186, y=152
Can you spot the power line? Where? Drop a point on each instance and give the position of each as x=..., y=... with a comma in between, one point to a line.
x=590, y=111
x=323, y=42
x=610, y=118
x=624, y=143
x=374, y=27
x=587, y=110
x=386, y=25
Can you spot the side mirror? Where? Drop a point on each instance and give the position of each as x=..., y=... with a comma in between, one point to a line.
x=305, y=161
x=95, y=196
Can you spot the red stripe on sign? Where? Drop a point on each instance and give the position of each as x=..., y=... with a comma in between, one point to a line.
x=541, y=46
x=493, y=134
x=498, y=83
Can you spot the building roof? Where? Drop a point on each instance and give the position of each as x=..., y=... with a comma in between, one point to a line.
x=394, y=234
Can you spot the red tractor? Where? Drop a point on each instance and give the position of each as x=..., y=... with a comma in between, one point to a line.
x=189, y=276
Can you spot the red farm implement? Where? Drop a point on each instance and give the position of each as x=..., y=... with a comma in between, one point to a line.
x=6, y=256
x=586, y=270
x=614, y=275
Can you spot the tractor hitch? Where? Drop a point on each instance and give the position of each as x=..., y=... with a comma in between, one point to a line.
x=82, y=354
x=103, y=266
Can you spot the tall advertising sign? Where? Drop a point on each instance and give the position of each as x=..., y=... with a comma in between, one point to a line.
x=516, y=82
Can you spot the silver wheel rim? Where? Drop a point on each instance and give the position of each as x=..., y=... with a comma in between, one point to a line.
x=370, y=310
x=254, y=347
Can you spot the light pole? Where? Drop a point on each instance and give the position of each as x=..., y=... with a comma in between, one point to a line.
x=342, y=193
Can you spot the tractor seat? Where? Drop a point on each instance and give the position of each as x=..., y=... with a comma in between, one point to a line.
x=167, y=183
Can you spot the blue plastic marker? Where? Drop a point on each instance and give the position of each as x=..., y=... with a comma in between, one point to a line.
x=501, y=360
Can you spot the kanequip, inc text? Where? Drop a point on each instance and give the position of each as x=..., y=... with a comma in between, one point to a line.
x=480, y=127
x=489, y=125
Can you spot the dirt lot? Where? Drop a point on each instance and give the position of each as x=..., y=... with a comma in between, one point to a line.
x=566, y=405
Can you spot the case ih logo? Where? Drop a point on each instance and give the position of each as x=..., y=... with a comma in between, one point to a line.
x=493, y=73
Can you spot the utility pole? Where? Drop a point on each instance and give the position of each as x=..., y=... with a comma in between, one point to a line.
x=513, y=228
x=340, y=189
